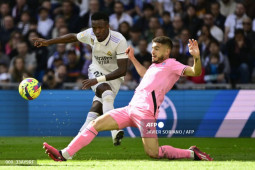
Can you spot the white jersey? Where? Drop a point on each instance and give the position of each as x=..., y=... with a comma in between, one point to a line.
x=105, y=53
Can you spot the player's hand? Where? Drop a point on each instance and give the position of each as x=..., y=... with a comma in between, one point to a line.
x=39, y=42
x=193, y=48
x=130, y=52
x=88, y=83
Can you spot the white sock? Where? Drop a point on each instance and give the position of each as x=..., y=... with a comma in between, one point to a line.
x=65, y=154
x=192, y=156
x=90, y=117
x=108, y=100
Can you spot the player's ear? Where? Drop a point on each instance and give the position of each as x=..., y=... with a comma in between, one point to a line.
x=168, y=50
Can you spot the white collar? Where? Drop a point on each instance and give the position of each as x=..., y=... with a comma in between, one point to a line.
x=106, y=41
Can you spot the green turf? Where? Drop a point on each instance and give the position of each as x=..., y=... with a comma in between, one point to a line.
x=234, y=153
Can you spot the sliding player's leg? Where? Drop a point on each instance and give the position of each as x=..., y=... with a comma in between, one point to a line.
x=115, y=119
x=153, y=150
x=146, y=121
x=102, y=123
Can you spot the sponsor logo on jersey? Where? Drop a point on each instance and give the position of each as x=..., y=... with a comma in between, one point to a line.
x=103, y=60
x=92, y=41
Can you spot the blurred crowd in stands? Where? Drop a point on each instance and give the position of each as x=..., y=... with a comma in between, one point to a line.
x=225, y=30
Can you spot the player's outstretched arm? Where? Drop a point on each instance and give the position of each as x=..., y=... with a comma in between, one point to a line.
x=141, y=70
x=196, y=70
x=68, y=38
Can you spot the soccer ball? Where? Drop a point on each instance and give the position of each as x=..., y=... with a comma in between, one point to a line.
x=29, y=89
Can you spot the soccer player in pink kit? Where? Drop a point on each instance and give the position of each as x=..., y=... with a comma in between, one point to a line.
x=144, y=106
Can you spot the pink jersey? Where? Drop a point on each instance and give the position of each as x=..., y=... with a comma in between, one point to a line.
x=157, y=81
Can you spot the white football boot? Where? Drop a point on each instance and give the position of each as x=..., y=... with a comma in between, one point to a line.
x=117, y=135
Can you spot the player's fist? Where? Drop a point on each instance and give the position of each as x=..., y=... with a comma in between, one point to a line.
x=130, y=52
x=39, y=42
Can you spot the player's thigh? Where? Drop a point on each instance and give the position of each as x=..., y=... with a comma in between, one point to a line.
x=96, y=107
x=151, y=146
x=121, y=117
x=145, y=121
x=104, y=123
x=99, y=88
x=113, y=85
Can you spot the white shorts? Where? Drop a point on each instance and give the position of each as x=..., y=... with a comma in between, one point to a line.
x=114, y=84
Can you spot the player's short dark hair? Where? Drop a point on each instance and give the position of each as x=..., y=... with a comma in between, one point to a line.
x=164, y=40
x=99, y=16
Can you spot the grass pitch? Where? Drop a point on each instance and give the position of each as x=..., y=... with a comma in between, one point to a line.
x=228, y=153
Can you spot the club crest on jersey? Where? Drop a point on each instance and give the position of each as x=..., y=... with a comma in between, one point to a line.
x=164, y=63
x=82, y=34
x=92, y=41
x=109, y=53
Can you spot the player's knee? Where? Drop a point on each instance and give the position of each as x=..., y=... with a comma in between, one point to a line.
x=102, y=88
x=93, y=123
x=98, y=124
x=152, y=155
x=96, y=107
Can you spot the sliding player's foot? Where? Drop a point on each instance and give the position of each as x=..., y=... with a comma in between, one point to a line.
x=117, y=136
x=53, y=152
x=200, y=155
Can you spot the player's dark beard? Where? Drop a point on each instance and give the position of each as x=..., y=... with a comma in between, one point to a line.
x=160, y=60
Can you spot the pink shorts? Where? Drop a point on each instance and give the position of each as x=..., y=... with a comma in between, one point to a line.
x=132, y=116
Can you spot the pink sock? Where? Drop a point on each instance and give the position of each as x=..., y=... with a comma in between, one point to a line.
x=173, y=153
x=81, y=140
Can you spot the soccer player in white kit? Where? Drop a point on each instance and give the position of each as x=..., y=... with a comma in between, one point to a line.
x=109, y=65
x=144, y=106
